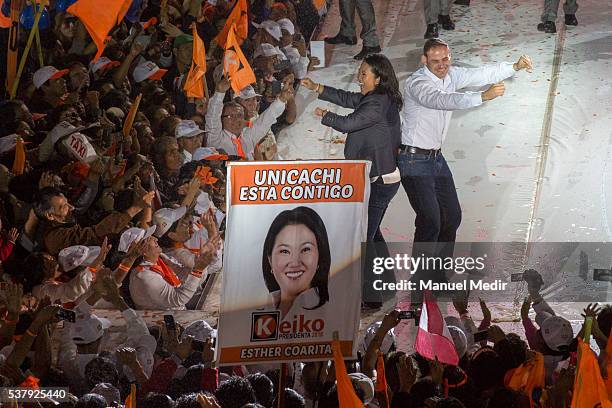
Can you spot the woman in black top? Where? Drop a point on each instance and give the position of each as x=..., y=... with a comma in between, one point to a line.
x=373, y=133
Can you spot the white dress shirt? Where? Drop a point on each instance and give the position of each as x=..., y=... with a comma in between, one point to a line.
x=65, y=291
x=150, y=291
x=220, y=138
x=429, y=100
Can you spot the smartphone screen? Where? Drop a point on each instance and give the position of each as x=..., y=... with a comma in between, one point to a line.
x=407, y=314
x=516, y=277
x=65, y=314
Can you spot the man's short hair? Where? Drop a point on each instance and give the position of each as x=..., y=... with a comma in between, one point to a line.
x=43, y=204
x=433, y=43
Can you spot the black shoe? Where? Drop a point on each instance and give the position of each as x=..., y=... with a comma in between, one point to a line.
x=446, y=22
x=432, y=31
x=462, y=2
x=365, y=51
x=548, y=27
x=341, y=39
x=570, y=19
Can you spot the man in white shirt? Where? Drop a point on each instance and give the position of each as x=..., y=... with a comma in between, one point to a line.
x=430, y=96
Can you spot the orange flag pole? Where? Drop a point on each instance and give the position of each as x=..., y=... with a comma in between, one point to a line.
x=129, y=121
x=20, y=157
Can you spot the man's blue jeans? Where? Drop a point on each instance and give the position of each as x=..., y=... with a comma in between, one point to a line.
x=429, y=184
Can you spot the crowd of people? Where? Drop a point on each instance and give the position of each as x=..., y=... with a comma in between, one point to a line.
x=113, y=195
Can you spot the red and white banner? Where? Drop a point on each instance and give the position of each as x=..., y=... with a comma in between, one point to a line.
x=433, y=338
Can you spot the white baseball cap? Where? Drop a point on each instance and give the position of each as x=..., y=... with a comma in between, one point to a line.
x=60, y=130
x=108, y=391
x=47, y=73
x=365, y=384
x=267, y=50
x=80, y=147
x=556, y=332
x=187, y=128
x=287, y=25
x=200, y=330
x=88, y=329
x=77, y=255
x=247, y=92
x=164, y=218
x=148, y=70
x=201, y=153
x=272, y=27
x=103, y=63
x=133, y=234
x=8, y=143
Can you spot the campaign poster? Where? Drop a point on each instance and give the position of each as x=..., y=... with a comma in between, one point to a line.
x=291, y=272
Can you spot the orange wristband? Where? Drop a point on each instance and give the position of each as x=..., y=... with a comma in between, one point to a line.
x=93, y=270
x=30, y=333
x=123, y=268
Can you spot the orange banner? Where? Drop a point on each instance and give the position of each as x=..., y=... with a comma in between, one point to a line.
x=279, y=352
x=297, y=183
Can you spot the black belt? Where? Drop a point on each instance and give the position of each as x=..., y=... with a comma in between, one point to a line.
x=417, y=150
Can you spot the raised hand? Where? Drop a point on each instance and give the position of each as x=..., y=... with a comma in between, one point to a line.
x=407, y=373
x=309, y=84
x=494, y=91
x=486, y=313
x=223, y=85
x=14, y=298
x=209, y=221
x=104, y=250
x=320, y=112
x=525, y=63
x=13, y=234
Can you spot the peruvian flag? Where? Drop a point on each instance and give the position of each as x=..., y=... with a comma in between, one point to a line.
x=433, y=338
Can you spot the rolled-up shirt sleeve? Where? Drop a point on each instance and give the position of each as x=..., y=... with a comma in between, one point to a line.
x=431, y=97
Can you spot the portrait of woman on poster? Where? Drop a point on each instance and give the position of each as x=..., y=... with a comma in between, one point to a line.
x=296, y=261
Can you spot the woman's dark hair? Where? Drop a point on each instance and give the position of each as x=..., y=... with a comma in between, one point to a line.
x=35, y=265
x=91, y=401
x=235, y=393
x=308, y=217
x=155, y=400
x=381, y=67
x=263, y=387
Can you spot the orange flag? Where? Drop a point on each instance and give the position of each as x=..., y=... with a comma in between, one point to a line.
x=194, y=85
x=238, y=17
x=20, y=157
x=381, y=378
x=608, y=365
x=319, y=4
x=589, y=388
x=528, y=377
x=235, y=64
x=130, y=401
x=346, y=393
x=99, y=19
